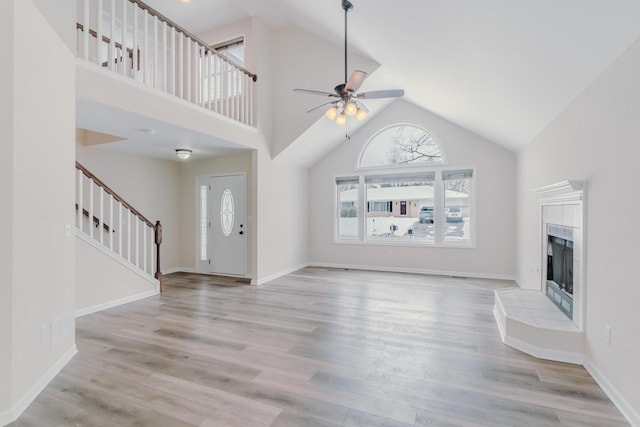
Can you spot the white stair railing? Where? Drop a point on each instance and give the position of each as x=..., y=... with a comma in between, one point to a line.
x=130, y=38
x=106, y=219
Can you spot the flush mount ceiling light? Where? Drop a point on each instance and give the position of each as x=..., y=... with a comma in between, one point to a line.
x=348, y=102
x=183, y=153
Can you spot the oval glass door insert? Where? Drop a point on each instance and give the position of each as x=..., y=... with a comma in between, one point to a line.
x=226, y=212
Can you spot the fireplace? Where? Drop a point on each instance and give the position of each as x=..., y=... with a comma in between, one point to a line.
x=560, y=267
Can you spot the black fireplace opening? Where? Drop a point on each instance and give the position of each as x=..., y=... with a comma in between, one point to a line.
x=560, y=268
x=560, y=263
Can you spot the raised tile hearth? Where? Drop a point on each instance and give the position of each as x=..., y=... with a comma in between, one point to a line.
x=531, y=323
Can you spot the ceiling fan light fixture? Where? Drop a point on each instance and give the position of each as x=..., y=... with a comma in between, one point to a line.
x=342, y=119
x=361, y=114
x=331, y=113
x=351, y=108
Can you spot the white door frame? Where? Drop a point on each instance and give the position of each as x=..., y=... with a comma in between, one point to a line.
x=202, y=266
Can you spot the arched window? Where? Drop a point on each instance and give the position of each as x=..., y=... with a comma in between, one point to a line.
x=401, y=144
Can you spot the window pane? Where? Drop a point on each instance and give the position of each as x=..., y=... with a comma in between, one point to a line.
x=401, y=145
x=400, y=210
x=457, y=203
x=226, y=212
x=203, y=223
x=347, y=209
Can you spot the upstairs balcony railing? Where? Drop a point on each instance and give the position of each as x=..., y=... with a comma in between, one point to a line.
x=130, y=38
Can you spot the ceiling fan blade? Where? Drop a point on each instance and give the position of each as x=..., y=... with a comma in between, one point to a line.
x=355, y=81
x=320, y=106
x=362, y=106
x=376, y=94
x=315, y=92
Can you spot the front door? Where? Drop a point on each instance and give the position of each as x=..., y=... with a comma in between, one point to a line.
x=227, y=228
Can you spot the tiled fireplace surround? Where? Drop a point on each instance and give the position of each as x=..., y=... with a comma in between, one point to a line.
x=527, y=319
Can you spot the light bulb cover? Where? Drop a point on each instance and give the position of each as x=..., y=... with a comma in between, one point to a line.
x=331, y=113
x=350, y=108
x=342, y=119
x=361, y=114
x=183, y=153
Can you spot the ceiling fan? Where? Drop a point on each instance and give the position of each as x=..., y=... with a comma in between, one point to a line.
x=347, y=100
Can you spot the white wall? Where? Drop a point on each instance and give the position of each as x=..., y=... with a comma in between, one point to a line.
x=61, y=16
x=114, y=281
x=279, y=189
x=6, y=208
x=596, y=139
x=150, y=185
x=283, y=217
x=214, y=166
x=303, y=60
x=495, y=195
x=41, y=198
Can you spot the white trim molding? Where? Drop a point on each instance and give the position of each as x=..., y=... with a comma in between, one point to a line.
x=179, y=270
x=110, y=304
x=415, y=271
x=616, y=397
x=263, y=280
x=560, y=192
x=13, y=413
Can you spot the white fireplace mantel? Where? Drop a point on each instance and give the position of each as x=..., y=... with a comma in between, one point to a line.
x=560, y=192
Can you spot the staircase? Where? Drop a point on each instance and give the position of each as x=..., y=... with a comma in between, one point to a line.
x=122, y=260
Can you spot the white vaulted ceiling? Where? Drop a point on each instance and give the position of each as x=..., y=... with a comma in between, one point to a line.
x=503, y=69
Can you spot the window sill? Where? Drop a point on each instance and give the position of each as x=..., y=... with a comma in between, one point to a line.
x=449, y=245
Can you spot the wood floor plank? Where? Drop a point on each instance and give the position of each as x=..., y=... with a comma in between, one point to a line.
x=319, y=347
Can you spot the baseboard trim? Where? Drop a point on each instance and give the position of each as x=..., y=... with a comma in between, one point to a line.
x=12, y=414
x=104, y=306
x=263, y=280
x=414, y=271
x=621, y=403
x=179, y=270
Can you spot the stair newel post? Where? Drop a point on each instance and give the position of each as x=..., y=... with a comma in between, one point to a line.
x=158, y=241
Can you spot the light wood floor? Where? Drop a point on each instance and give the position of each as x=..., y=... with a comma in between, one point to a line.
x=318, y=347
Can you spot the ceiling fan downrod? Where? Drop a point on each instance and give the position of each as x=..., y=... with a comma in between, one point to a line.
x=347, y=6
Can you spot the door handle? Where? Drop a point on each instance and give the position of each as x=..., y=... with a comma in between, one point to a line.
x=241, y=232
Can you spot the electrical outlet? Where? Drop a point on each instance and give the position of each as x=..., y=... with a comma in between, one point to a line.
x=67, y=230
x=607, y=334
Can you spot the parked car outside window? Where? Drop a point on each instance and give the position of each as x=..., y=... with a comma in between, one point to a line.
x=454, y=215
x=426, y=215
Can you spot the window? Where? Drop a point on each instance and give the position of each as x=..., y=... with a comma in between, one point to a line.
x=457, y=204
x=233, y=50
x=204, y=222
x=403, y=196
x=227, y=212
x=400, y=145
x=347, y=208
x=403, y=199
x=225, y=83
x=431, y=207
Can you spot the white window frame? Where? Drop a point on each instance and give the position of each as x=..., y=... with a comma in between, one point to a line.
x=416, y=166
x=439, y=209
